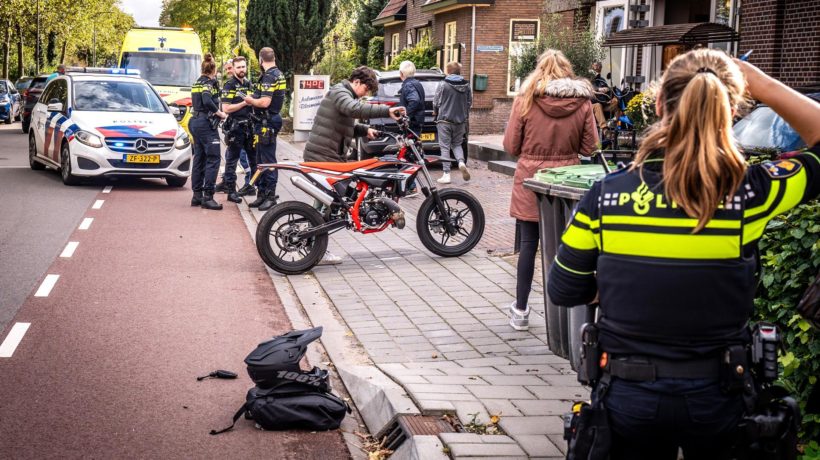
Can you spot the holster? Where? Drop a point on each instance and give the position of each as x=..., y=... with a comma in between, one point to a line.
x=770, y=432
x=590, y=369
x=586, y=428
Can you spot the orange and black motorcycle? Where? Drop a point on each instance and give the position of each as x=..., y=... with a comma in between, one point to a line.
x=363, y=196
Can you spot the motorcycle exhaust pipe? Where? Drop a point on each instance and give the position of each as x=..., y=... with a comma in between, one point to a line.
x=302, y=184
x=395, y=211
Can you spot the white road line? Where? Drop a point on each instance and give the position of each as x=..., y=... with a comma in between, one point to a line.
x=97, y=204
x=107, y=189
x=13, y=339
x=48, y=284
x=69, y=249
x=86, y=223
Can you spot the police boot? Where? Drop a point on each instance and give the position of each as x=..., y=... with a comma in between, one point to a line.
x=197, y=199
x=221, y=187
x=232, y=195
x=247, y=190
x=209, y=203
x=270, y=201
x=261, y=196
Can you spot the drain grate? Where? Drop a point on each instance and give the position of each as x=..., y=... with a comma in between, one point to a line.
x=412, y=425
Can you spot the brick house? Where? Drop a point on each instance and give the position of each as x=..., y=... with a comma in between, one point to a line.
x=500, y=26
x=782, y=33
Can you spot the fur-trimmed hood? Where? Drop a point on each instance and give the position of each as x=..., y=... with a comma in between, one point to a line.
x=564, y=96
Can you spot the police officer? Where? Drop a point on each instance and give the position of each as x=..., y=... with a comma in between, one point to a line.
x=239, y=134
x=205, y=106
x=267, y=101
x=669, y=246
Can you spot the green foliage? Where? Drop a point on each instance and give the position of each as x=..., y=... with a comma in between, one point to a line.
x=293, y=28
x=790, y=259
x=213, y=20
x=364, y=31
x=581, y=48
x=375, y=53
x=340, y=52
x=641, y=108
x=423, y=55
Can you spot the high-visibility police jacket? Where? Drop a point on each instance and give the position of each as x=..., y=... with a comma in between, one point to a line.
x=271, y=84
x=665, y=291
x=205, y=96
x=230, y=96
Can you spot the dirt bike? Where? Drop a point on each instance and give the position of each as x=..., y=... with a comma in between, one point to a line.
x=363, y=196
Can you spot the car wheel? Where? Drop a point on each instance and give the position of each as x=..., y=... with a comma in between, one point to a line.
x=32, y=155
x=65, y=167
x=9, y=119
x=176, y=182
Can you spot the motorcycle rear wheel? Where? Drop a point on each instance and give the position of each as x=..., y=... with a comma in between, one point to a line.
x=465, y=213
x=277, y=238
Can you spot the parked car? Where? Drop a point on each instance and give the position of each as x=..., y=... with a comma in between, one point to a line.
x=388, y=94
x=22, y=84
x=103, y=122
x=765, y=132
x=9, y=102
x=30, y=98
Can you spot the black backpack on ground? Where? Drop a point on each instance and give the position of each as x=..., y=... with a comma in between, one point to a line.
x=285, y=396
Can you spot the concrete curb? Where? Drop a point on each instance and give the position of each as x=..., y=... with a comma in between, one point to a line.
x=378, y=399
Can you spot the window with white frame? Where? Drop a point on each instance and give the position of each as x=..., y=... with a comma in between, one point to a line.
x=611, y=16
x=409, y=38
x=450, y=43
x=395, y=42
x=523, y=33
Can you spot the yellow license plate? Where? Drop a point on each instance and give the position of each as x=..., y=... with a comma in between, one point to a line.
x=428, y=137
x=142, y=158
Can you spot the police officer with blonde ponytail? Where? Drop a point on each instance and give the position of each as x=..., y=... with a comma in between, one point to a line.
x=669, y=247
x=203, y=126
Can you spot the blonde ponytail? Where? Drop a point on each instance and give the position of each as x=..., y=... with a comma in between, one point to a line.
x=552, y=64
x=702, y=165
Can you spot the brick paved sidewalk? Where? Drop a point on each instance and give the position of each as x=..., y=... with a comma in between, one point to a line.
x=439, y=327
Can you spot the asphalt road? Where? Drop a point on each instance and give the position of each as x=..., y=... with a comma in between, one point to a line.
x=37, y=214
x=109, y=341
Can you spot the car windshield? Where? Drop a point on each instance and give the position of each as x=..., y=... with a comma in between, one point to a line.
x=764, y=128
x=23, y=85
x=38, y=83
x=3, y=87
x=391, y=88
x=116, y=96
x=164, y=69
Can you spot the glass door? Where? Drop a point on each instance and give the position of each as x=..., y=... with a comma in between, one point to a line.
x=611, y=17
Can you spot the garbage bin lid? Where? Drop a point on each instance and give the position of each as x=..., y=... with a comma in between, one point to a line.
x=580, y=176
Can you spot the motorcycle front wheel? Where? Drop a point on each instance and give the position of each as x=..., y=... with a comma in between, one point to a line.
x=278, y=239
x=465, y=215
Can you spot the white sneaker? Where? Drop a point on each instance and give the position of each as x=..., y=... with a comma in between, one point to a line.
x=464, y=173
x=444, y=179
x=519, y=320
x=330, y=259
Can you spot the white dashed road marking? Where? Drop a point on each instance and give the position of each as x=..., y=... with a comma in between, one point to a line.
x=86, y=223
x=98, y=204
x=48, y=284
x=69, y=249
x=13, y=339
x=107, y=189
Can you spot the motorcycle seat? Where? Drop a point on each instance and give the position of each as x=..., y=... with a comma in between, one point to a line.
x=340, y=167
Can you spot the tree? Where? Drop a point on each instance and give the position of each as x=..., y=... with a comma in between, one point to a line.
x=213, y=20
x=339, y=53
x=364, y=30
x=293, y=28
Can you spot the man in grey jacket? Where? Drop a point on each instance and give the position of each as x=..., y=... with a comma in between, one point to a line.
x=451, y=108
x=335, y=125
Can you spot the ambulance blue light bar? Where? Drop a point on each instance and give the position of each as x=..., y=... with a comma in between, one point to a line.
x=103, y=70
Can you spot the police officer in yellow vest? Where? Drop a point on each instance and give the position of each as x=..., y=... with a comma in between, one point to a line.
x=207, y=155
x=669, y=245
x=267, y=101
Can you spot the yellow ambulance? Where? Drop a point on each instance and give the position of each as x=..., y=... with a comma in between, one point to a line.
x=169, y=58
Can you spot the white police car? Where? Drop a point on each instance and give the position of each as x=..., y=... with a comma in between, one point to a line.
x=95, y=122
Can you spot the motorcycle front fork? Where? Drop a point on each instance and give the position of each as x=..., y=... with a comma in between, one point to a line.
x=430, y=189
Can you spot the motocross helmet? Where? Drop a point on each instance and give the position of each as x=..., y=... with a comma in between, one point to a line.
x=274, y=364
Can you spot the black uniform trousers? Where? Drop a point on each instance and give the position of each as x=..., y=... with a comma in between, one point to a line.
x=207, y=155
x=651, y=420
x=239, y=138
x=266, y=151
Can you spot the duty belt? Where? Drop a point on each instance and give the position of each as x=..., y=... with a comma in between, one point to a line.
x=201, y=115
x=645, y=369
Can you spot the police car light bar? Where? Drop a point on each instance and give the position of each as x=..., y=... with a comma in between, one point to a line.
x=103, y=70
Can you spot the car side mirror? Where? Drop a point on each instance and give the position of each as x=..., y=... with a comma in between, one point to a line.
x=175, y=112
x=55, y=107
x=609, y=75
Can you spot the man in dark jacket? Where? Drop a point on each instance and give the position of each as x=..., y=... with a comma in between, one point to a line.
x=451, y=107
x=335, y=126
x=411, y=97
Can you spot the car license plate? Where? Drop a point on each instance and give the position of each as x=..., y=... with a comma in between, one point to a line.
x=428, y=137
x=142, y=158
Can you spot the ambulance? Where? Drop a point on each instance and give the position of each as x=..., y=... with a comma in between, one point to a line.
x=169, y=58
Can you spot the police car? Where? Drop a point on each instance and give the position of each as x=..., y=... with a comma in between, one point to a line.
x=95, y=122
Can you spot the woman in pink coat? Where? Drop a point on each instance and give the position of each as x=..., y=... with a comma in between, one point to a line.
x=550, y=125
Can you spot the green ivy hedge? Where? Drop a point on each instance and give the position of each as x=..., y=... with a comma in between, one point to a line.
x=790, y=259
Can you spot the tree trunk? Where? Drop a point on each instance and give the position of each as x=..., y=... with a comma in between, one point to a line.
x=213, y=30
x=19, y=51
x=6, y=43
x=213, y=40
x=62, y=52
